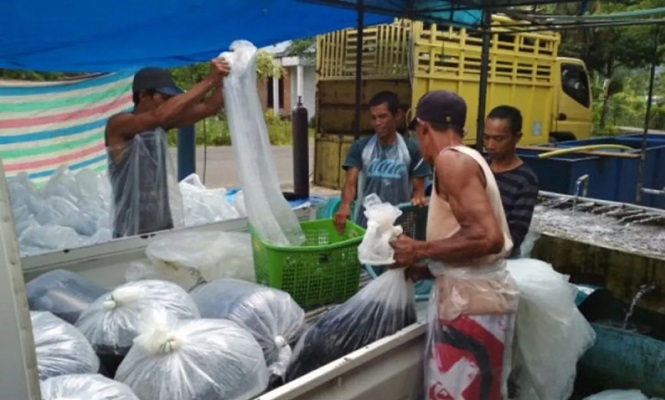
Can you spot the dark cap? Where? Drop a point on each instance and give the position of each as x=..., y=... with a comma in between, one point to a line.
x=441, y=106
x=157, y=79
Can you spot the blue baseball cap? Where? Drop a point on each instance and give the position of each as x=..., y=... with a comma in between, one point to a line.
x=157, y=79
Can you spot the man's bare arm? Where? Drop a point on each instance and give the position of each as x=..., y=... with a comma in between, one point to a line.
x=348, y=194
x=418, y=196
x=460, y=178
x=199, y=111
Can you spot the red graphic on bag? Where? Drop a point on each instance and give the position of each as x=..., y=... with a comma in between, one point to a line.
x=466, y=358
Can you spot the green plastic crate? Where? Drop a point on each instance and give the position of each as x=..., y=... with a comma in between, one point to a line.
x=325, y=270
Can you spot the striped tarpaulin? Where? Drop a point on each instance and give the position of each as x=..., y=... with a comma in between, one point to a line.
x=47, y=124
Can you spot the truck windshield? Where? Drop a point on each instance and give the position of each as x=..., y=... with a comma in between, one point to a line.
x=575, y=83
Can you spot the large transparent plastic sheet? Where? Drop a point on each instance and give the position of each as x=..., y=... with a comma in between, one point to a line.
x=204, y=359
x=268, y=211
x=550, y=332
x=85, y=387
x=61, y=349
x=469, y=342
x=146, y=195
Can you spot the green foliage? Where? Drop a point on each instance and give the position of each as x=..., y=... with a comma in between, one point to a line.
x=304, y=48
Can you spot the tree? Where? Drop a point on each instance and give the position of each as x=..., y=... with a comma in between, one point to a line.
x=304, y=48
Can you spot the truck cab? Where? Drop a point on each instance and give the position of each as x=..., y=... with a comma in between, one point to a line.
x=571, y=106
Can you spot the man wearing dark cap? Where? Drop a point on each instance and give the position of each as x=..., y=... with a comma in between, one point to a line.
x=136, y=143
x=467, y=241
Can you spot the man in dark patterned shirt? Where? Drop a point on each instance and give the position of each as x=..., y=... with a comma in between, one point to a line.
x=517, y=182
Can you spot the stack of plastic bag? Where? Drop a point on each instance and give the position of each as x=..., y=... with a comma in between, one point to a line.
x=267, y=209
x=63, y=293
x=270, y=315
x=112, y=322
x=85, y=387
x=204, y=206
x=375, y=249
x=61, y=349
x=382, y=308
x=471, y=317
x=192, y=258
x=204, y=359
x=551, y=333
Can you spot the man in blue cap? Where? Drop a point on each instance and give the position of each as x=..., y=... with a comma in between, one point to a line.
x=136, y=144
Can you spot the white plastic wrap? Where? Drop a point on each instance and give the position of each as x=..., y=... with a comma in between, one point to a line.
x=551, y=333
x=471, y=318
x=85, y=387
x=618, y=395
x=528, y=243
x=382, y=308
x=267, y=209
x=191, y=258
x=270, y=315
x=146, y=196
x=61, y=349
x=112, y=322
x=375, y=249
x=203, y=206
x=64, y=293
x=206, y=359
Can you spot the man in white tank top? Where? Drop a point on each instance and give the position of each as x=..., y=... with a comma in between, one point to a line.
x=474, y=298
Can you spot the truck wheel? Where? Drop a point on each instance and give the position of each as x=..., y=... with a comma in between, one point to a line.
x=561, y=137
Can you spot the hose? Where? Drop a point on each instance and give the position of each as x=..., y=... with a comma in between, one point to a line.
x=583, y=148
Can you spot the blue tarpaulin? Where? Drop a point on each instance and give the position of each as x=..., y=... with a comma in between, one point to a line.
x=112, y=35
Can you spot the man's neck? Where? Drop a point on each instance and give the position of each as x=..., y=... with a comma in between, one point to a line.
x=506, y=163
x=387, y=140
x=445, y=140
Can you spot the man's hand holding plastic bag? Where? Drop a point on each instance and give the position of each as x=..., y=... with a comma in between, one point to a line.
x=375, y=248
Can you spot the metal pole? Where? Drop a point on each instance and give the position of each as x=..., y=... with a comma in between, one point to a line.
x=359, y=67
x=484, y=68
x=186, y=151
x=647, y=117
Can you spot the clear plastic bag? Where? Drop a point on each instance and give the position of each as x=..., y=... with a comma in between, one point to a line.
x=203, y=256
x=268, y=211
x=618, y=395
x=270, y=315
x=550, y=333
x=382, y=308
x=375, y=249
x=61, y=349
x=471, y=318
x=203, y=206
x=146, y=196
x=49, y=238
x=112, y=322
x=63, y=293
x=85, y=387
x=528, y=243
x=205, y=359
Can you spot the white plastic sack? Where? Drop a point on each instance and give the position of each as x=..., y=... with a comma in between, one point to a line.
x=268, y=211
x=270, y=315
x=375, y=249
x=383, y=307
x=85, y=387
x=112, y=322
x=203, y=206
x=61, y=349
x=551, y=333
x=618, y=395
x=204, y=359
x=146, y=195
x=196, y=257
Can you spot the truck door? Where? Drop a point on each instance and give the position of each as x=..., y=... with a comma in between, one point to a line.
x=572, y=114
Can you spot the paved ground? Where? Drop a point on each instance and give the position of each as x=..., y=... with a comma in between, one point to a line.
x=220, y=168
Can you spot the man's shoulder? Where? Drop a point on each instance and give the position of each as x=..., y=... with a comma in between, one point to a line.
x=527, y=174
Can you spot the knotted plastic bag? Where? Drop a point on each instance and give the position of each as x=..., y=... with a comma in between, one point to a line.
x=85, y=387
x=205, y=359
x=112, y=322
x=200, y=257
x=64, y=293
x=471, y=318
x=267, y=209
x=61, y=349
x=270, y=315
x=382, y=308
x=551, y=333
x=375, y=248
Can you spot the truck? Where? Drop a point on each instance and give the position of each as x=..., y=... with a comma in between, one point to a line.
x=389, y=369
x=410, y=58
